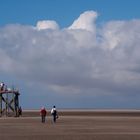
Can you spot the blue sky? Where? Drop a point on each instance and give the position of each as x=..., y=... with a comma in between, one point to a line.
x=71, y=53
x=65, y=11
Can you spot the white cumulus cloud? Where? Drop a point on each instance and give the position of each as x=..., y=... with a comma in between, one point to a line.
x=86, y=21
x=47, y=24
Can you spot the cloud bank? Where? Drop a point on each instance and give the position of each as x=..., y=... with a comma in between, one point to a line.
x=80, y=59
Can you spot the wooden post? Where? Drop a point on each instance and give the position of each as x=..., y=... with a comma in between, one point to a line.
x=16, y=104
x=6, y=104
x=0, y=104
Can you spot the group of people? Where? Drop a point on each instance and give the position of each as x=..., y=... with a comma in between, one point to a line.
x=43, y=113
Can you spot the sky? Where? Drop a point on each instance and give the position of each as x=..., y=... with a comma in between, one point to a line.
x=71, y=53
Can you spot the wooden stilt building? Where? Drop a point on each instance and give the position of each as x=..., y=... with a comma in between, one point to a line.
x=9, y=102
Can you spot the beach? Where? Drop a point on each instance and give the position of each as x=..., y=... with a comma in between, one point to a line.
x=73, y=125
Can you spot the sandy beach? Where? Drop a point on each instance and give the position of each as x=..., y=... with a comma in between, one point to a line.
x=73, y=125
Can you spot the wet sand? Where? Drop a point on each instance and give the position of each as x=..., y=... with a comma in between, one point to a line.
x=73, y=125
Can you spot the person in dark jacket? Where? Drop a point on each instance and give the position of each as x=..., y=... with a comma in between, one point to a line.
x=43, y=113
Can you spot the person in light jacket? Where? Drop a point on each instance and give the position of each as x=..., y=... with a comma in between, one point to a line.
x=54, y=113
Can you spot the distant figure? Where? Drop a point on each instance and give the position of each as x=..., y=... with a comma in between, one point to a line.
x=1, y=86
x=54, y=113
x=20, y=111
x=43, y=113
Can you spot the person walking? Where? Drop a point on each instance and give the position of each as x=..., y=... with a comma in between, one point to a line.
x=2, y=86
x=20, y=111
x=43, y=113
x=54, y=113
